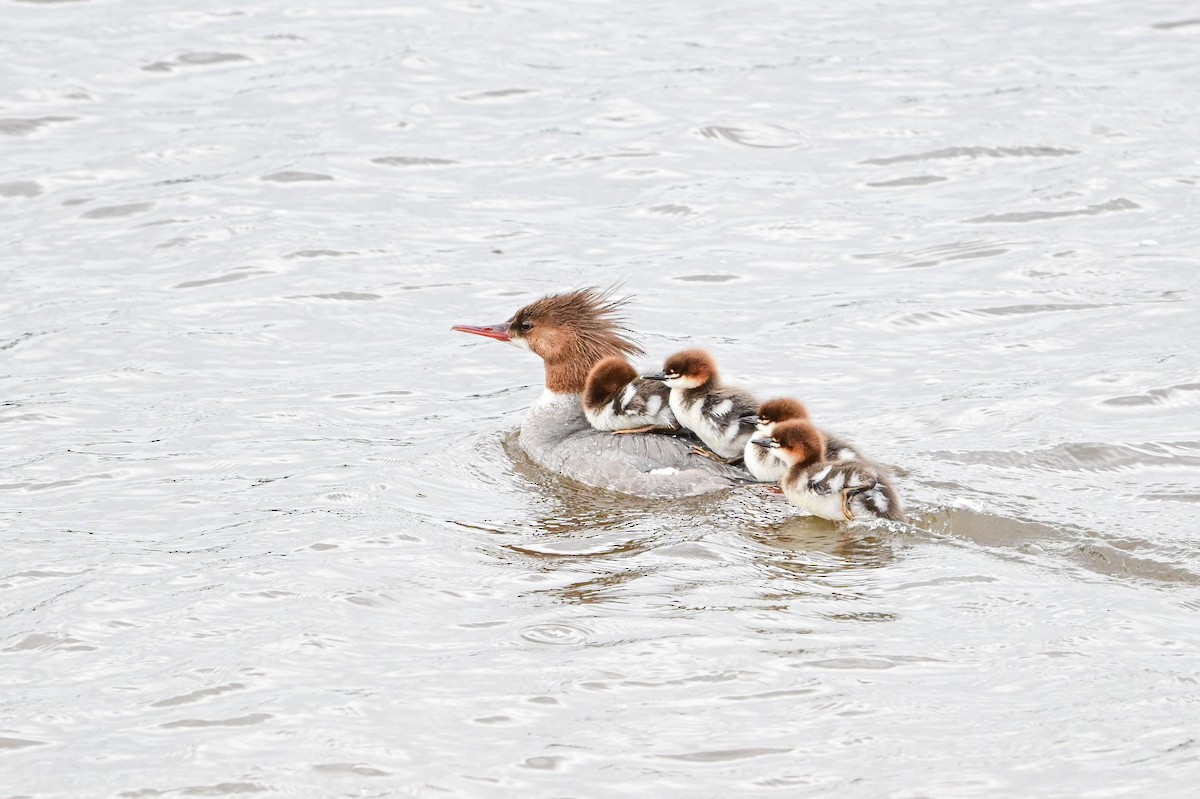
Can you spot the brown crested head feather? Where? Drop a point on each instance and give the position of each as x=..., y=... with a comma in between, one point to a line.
x=606, y=380
x=572, y=331
x=782, y=410
x=800, y=442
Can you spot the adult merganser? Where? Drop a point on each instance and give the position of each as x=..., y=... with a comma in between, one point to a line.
x=721, y=416
x=834, y=490
x=769, y=467
x=571, y=332
x=616, y=399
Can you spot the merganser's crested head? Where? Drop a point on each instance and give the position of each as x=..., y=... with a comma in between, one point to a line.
x=772, y=412
x=606, y=380
x=688, y=369
x=796, y=441
x=571, y=332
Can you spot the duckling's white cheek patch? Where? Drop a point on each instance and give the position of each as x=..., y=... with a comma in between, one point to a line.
x=520, y=343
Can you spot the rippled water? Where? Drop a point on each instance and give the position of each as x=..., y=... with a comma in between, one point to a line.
x=265, y=527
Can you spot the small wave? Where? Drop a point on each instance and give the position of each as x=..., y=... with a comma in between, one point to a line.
x=20, y=188
x=1084, y=457
x=935, y=318
x=912, y=180
x=767, y=137
x=292, y=176
x=974, y=152
x=1119, y=204
x=1158, y=396
x=23, y=127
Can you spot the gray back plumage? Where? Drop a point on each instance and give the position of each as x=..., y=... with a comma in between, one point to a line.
x=557, y=436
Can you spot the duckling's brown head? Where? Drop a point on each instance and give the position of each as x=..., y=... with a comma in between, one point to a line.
x=797, y=441
x=772, y=412
x=607, y=379
x=688, y=369
x=569, y=331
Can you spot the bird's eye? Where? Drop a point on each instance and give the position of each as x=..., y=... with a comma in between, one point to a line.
x=526, y=326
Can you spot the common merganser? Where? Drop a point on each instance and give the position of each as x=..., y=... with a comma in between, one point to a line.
x=834, y=490
x=769, y=467
x=616, y=399
x=571, y=332
x=721, y=416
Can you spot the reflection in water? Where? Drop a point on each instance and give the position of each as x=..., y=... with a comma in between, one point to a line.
x=859, y=544
x=1015, y=538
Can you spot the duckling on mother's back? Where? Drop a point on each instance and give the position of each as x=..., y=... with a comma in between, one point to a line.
x=721, y=416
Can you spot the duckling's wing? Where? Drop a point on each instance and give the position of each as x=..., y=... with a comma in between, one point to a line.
x=881, y=499
x=729, y=403
x=748, y=422
x=648, y=401
x=730, y=410
x=859, y=477
x=645, y=397
x=837, y=448
x=819, y=481
x=867, y=488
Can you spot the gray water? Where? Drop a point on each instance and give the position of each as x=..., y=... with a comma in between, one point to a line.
x=265, y=527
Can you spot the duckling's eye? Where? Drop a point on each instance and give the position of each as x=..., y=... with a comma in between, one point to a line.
x=526, y=326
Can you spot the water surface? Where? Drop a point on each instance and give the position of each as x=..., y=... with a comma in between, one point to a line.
x=265, y=528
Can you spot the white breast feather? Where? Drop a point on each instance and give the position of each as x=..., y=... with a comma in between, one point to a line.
x=603, y=418
x=764, y=465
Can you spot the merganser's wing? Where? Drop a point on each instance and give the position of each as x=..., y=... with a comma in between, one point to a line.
x=557, y=436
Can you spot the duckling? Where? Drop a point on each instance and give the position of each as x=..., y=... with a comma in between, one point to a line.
x=765, y=464
x=616, y=399
x=834, y=490
x=720, y=416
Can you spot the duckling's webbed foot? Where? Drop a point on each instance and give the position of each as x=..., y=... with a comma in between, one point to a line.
x=712, y=456
x=650, y=428
x=847, y=513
